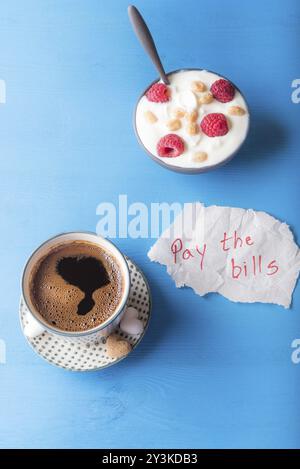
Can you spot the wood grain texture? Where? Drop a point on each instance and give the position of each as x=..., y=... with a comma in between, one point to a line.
x=209, y=373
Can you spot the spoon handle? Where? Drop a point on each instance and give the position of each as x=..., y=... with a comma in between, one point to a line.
x=143, y=34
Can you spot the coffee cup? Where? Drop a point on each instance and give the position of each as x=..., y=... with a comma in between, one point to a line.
x=36, y=323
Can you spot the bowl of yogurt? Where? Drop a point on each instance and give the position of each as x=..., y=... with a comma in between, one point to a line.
x=195, y=124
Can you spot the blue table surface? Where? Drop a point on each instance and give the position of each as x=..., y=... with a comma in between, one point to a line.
x=209, y=373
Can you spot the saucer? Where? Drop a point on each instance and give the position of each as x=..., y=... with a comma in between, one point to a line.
x=91, y=357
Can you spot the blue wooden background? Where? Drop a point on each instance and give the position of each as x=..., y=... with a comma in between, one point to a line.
x=209, y=373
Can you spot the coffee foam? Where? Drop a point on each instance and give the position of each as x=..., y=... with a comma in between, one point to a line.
x=57, y=301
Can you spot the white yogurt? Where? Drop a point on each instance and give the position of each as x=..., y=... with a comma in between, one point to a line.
x=182, y=96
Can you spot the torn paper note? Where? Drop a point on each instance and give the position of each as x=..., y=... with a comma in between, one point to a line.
x=244, y=255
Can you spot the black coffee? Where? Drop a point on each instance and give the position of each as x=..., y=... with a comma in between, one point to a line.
x=77, y=286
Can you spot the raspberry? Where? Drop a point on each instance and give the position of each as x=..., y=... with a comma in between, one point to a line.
x=222, y=90
x=170, y=146
x=158, y=93
x=214, y=125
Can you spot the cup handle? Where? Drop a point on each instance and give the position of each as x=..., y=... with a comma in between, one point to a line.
x=32, y=328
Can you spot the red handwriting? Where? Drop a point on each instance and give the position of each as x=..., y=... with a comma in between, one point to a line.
x=237, y=241
x=251, y=267
x=202, y=254
x=274, y=266
x=177, y=247
x=255, y=266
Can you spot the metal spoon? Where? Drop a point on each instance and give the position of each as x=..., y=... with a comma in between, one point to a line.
x=143, y=34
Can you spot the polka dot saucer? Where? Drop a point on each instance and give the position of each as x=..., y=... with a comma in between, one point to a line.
x=91, y=357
